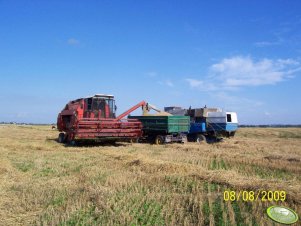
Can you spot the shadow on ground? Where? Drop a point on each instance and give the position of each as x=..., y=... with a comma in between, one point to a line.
x=91, y=143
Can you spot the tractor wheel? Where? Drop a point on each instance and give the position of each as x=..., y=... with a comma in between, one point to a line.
x=190, y=138
x=200, y=138
x=134, y=140
x=159, y=140
x=112, y=142
x=61, y=138
x=72, y=143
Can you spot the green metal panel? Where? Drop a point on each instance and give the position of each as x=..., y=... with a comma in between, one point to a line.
x=178, y=124
x=164, y=124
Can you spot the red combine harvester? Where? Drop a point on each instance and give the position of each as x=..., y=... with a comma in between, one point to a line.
x=94, y=118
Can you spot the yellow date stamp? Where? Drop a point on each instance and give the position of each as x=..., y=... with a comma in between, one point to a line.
x=250, y=196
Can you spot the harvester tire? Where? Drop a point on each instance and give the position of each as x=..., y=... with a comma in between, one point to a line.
x=72, y=143
x=159, y=140
x=200, y=138
x=134, y=140
x=61, y=138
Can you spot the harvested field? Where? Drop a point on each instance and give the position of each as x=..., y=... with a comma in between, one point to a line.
x=46, y=183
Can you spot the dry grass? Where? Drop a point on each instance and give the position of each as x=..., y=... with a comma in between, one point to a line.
x=46, y=183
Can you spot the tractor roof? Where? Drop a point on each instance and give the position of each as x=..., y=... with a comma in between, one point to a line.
x=101, y=95
x=96, y=95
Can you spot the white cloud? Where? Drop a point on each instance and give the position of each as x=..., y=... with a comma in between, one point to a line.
x=169, y=83
x=267, y=43
x=73, y=41
x=194, y=82
x=166, y=83
x=21, y=115
x=232, y=74
x=152, y=74
x=243, y=71
x=240, y=71
x=201, y=85
x=235, y=101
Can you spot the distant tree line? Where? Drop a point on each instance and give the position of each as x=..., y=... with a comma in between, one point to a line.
x=26, y=123
x=271, y=126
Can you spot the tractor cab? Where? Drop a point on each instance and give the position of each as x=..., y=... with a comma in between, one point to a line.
x=99, y=106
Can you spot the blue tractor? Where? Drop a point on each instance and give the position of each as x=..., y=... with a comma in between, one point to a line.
x=207, y=124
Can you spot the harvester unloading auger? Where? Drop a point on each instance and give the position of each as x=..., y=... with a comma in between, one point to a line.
x=94, y=118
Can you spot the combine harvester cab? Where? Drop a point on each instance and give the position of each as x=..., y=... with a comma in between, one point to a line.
x=94, y=118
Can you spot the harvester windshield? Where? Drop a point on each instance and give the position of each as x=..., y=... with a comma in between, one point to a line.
x=100, y=107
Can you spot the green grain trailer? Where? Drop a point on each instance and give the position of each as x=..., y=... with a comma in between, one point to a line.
x=164, y=129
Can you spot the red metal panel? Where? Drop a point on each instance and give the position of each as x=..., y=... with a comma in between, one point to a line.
x=67, y=112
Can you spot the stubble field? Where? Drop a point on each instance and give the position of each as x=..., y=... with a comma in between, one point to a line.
x=43, y=182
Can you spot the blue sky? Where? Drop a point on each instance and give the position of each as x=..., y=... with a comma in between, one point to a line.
x=242, y=56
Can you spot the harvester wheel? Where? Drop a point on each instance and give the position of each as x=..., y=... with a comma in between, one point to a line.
x=134, y=140
x=159, y=140
x=61, y=138
x=200, y=138
x=72, y=143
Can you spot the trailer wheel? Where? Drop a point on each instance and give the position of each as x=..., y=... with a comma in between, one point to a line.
x=184, y=140
x=61, y=138
x=159, y=140
x=134, y=140
x=200, y=138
